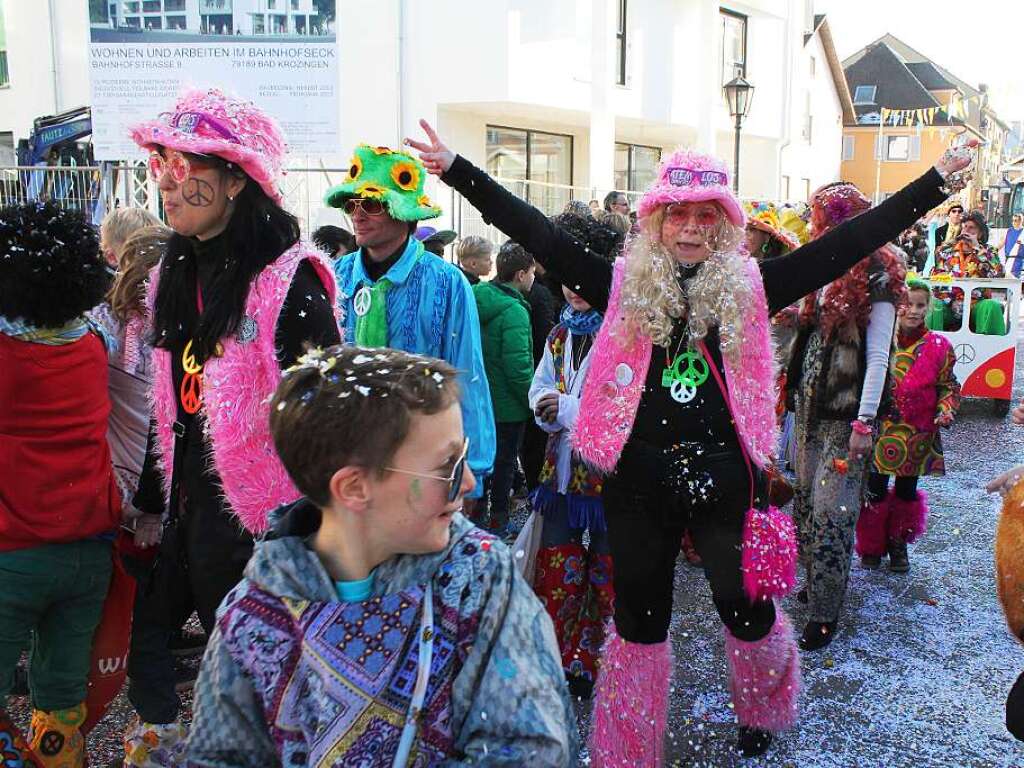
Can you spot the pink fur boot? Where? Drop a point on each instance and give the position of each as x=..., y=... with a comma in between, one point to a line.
x=631, y=704
x=873, y=527
x=908, y=520
x=764, y=676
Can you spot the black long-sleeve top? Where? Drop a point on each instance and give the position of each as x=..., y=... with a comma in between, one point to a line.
x=786, y=278
x=660, y=420
x=306, y=318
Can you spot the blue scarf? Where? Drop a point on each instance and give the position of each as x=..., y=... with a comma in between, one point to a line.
x=581, y=323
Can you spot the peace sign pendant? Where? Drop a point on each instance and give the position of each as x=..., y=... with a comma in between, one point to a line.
x=362, y=301
x=688, y=371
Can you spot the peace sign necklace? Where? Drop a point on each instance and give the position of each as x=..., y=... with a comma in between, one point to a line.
x=191, y=391
x=687, y=371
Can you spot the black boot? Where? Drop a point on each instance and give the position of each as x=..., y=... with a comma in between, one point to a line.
x=752, y=742
x=898, y=560
x=817, y=634
x=870, y=562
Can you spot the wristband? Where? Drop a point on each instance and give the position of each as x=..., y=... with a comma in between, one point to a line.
x=861, y=428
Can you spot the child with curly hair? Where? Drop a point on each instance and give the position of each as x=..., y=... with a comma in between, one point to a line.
x=60, y=504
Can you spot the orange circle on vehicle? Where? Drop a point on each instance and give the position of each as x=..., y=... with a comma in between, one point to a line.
x=995, y=378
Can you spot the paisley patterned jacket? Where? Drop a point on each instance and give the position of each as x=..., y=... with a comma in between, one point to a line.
x=294, y=677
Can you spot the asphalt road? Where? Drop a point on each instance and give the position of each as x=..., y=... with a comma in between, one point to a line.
x=917, y=676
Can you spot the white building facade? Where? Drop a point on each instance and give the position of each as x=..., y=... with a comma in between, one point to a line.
x=586, y=94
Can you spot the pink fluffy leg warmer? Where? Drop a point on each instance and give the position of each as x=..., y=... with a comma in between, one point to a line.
x=873, y=527
x=764, y=677
x=908, y=520
x=631, y=704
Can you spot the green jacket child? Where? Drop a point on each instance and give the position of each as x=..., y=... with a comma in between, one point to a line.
x=505, y=332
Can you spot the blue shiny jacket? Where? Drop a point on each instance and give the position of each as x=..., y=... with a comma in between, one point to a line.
x=431, y=311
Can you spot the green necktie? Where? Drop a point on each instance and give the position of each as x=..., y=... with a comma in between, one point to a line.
x=372, y=327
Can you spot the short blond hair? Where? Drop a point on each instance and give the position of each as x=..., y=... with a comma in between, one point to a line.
x=122, y=223
x=473, y=247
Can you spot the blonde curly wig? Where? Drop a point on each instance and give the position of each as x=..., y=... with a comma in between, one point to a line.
x=654, y=297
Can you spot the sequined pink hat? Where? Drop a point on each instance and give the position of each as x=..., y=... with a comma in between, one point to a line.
x=691, y=177
x=206, y=122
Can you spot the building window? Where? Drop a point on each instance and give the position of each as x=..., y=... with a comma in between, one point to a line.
x=151, y=6
x=5, y=75
x=295, y=5
x=514, y=154
x=174, y=5
x=7, y=154
x=902, y=149
x=734, y=45
x=864, y=95
x=808, y=118
x=636, y=166
x=620, y=45
x=131, y=7
x=784, y=191
x=271, y=5
x=806, y=183
x=176, y=22
x=848, y=145
x=259, y=26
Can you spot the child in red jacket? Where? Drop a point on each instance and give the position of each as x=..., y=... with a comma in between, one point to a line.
x=59, y=504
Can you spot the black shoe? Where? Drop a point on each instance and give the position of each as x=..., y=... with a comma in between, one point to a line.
x=579, y=686
x=803, y=597
x=817, y=634
x=19, y=686
x=898, y=560
x=187, y=643
x=185, y=676
x=871, y=562
x=752, y=742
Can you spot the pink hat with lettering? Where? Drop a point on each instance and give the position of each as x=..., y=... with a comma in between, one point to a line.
x=691, y=177
x=206, y=122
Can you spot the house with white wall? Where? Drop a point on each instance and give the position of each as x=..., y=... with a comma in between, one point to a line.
x=586, y=94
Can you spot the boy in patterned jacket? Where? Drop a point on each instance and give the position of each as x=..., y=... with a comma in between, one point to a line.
x=376, y=625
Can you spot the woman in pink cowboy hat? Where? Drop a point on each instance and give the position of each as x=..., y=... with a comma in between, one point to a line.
x=235, y=299
x=678, y=407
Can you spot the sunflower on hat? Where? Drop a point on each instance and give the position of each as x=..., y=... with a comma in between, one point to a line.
x=764, y=216
x=395, y=178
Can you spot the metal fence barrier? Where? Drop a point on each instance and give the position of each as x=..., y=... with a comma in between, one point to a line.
x=97, y=190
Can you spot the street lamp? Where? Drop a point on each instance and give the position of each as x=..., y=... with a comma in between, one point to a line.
x=738, y=94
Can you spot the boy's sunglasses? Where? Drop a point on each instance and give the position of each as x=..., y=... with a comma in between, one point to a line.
x=454, y=480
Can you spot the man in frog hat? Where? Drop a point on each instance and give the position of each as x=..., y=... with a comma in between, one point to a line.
x=393, y=293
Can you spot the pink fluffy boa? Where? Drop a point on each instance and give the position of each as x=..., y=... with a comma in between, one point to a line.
x=236, y=395
x=915, y=395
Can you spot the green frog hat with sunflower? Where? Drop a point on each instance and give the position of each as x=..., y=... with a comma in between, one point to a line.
x=395, y=178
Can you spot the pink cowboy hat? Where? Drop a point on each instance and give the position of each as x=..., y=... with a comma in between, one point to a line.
x=210, y=123
x=691, y=177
